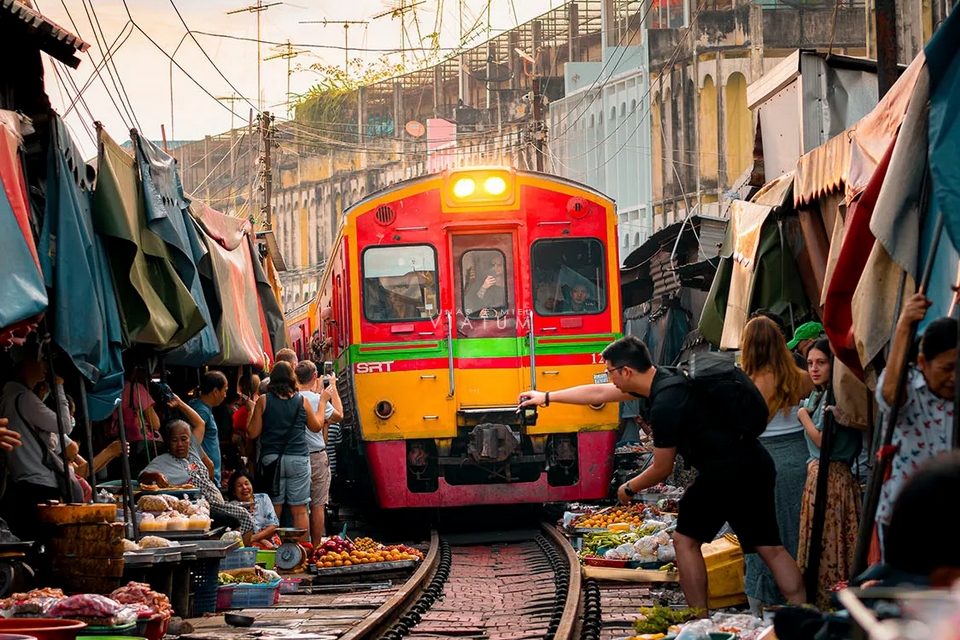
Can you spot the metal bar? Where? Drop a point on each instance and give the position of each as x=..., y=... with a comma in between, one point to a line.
x=453, y=381
x=887, y=48
x=88, y=429
x=533, y=354
x=875, y=484
x=812, y=575
x=56, y=390
x=125, y=465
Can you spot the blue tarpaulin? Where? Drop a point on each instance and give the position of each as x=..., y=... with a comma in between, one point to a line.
x=86, y=320
x=167, y=211
x=943, y=64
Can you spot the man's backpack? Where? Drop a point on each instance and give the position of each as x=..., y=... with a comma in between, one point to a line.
x=721, y=394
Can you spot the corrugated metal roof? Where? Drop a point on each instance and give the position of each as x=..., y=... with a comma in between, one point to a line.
x=823, y=170
x=54, y=39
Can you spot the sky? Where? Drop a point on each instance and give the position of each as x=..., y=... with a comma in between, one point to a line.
x=137, y=89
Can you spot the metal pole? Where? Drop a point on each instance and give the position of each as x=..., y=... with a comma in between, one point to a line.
x=88, y=428
x=956, y=400
x=887, y=48
x=875, y=484
x=811, y=578
x=125, y=465
x=61, y=429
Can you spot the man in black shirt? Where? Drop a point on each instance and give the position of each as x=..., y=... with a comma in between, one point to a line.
x=736, y=476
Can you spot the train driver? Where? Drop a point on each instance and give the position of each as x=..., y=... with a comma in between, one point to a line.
x=487, y=296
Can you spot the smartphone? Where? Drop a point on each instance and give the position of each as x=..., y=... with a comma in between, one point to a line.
x=328, y=368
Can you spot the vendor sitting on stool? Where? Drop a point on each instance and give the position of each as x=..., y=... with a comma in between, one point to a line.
x=240, y=491
x=182, y=466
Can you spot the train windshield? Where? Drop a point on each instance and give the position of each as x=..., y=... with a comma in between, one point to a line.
x=400, y=283
x=569, y=276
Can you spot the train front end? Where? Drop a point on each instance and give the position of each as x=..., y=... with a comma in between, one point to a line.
x=469, y=288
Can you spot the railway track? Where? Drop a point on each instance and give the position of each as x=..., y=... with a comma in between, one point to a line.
x=526, y=585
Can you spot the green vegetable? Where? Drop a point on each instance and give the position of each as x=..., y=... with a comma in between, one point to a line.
x=668, y=567
x=658, y=619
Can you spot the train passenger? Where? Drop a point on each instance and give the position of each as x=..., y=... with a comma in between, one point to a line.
x=736, y=476
x=280, y=419
x=327, y=323
x=580, y=301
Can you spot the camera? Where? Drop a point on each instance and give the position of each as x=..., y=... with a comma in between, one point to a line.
x=327, y=372
x=163, y=391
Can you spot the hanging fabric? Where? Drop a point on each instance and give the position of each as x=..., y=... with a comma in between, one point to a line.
x=85, y=315
x=167, y=214
x=22, y=293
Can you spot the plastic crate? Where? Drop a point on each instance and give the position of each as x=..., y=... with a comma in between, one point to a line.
x=267, y=557
x=242, y=558
x=725, y=572
x=255, y=595
x=204, y=579
x=290, y=585
x=225, y=596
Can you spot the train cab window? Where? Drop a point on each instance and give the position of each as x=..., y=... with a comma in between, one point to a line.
x=400, y=283
x=485, y=284
x=569, y=276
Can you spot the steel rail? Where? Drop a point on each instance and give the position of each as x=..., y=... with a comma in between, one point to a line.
x=374, y=625
x=567, y=628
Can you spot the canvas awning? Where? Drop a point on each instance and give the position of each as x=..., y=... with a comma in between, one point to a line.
x=85, y=316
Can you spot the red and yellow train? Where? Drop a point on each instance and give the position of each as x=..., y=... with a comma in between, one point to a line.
x=451, y=294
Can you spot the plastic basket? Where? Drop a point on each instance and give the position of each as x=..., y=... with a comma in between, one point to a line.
x=255, y=595
x=290, y=585
x=204, y=578
x=152, y=628
x=242, y=558
x=225, y=596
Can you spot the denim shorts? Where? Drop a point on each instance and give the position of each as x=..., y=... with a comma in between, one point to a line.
x=294, y=480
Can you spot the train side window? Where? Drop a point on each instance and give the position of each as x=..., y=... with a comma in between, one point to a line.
x=340, y=312
x=400, y=283
x=569, y=276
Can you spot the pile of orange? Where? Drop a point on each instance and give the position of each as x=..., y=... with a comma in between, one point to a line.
x=352, y=558
x=603, y=519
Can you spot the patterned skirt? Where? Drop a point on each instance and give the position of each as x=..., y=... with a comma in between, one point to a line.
x=839, y=528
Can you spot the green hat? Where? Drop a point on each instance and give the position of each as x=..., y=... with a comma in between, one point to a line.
x=806, y=331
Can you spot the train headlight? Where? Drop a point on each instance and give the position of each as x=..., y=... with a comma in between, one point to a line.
x=495, y=185
x=479, y=188
x=464, y=187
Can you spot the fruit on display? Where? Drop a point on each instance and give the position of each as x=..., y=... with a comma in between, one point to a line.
x=365, y=544
x=340, y=552
x=602, y=519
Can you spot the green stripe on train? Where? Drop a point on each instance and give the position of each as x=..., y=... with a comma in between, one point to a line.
x=479, y=348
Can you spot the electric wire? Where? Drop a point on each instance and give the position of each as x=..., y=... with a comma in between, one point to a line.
x=114, y=74
x=210, y=60
x=111, y=51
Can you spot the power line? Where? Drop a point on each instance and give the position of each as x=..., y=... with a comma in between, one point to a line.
x=213, y=64
x=115, y=78
x=111, y=51
x=169, y=57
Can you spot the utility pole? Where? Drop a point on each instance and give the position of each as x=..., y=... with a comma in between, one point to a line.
x=288, y=53
x=887, y=46
x=346, y=36
x=257, y=8
x=539, y=131
x=266, y=139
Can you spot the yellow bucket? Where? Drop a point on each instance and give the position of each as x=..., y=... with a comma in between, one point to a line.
x=725, y=571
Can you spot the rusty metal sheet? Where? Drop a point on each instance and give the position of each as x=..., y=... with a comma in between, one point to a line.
x=823, y=170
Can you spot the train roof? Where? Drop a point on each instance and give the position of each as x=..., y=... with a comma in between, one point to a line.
x=433, y=176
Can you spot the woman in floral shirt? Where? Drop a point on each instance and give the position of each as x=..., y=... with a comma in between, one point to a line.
x=924, y=426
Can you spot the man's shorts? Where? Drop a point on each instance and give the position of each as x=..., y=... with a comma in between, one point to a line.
x=742, y=494
x=294, y=480
x=319, y=479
